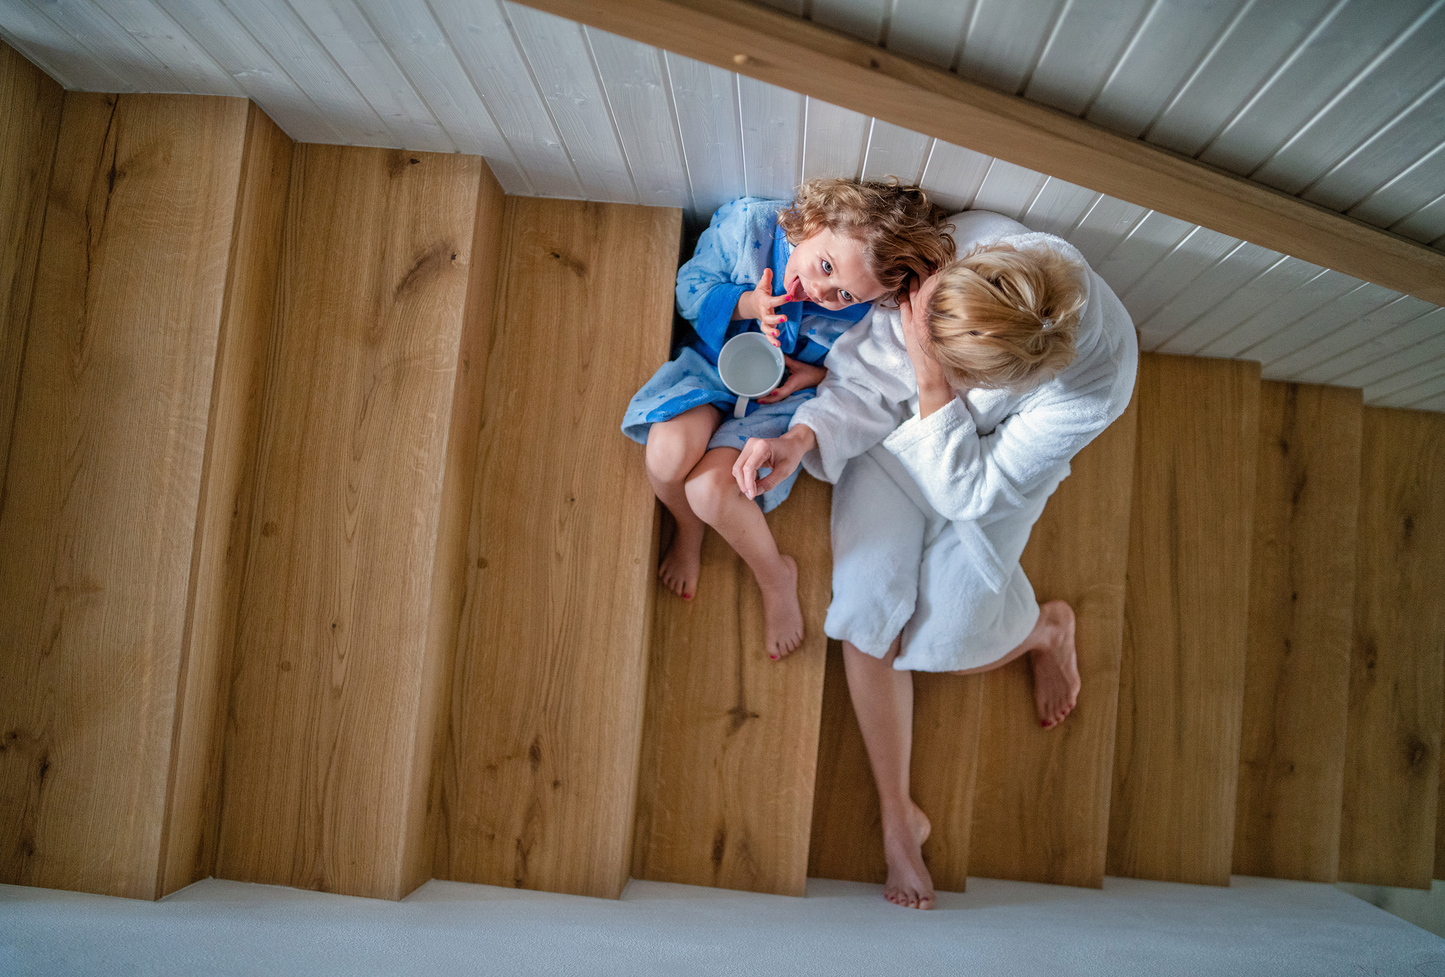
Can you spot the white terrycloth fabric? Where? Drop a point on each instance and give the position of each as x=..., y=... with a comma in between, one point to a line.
x=983, y=466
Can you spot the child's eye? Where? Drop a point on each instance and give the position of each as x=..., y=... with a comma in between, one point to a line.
x=846, y=297
x=827, y=267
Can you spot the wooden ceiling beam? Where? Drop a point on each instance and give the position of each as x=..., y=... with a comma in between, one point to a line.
x=796, y=54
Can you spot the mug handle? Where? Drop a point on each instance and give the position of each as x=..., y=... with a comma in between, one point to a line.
x=741, y=408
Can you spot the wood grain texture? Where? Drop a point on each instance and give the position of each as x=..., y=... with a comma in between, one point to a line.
x=98, y=519
x=790, y=52
x=1041, y=808
x=730, y=744
x=331, y=685
x=192, y=818
x=1181, y=677
x=542, y=754
x=29, y=126
x=1392, y=757
x=847, y=824
x=1297, y=669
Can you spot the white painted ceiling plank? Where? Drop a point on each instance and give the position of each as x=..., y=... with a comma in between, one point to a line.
x=1234, y=271
x=66, y=59
x=1373, y=339
x=1434, y=403
x=1087, y=39
x=1382, y=368
x=1005, y=40
x=1410, y=396
x=771, y=119
x=1425, y=224
x=1404, y=71
x=1168, y=45
x=1199, y=251
x=482, y=38
x=340, y=27
x=1344, y=44
x=929, y=30
x=1403, y=195
x=1147, y=243
x=953, y=175
x=1106, y=224
x=1008, y=189
x=708, y=122
x=834, y=141
x=1350, y=335
x=1058, y=207
x=564, y=70
x=1256, y=43
x=254, y=69
x=1241, y=341
x=159, y=33
x=635, y=85
x=277, y=29
x=109, y=42
x=1410, y=137
x=1238, y=304
x=1277, y=350
x=1404, y=369
x=895, y=152
x=859, y=18
x=424, y=51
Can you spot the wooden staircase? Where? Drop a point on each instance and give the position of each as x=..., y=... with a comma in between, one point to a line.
x=323, y=563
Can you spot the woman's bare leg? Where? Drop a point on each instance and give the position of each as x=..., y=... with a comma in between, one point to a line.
x=713, y=494
x=1055, y=660
x=883, y=701
x=674, y=448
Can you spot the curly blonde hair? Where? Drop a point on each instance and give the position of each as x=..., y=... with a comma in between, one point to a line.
x=1006, y=319
x=901, y=232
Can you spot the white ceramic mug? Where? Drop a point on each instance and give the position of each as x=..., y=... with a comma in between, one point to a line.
x=750, y=366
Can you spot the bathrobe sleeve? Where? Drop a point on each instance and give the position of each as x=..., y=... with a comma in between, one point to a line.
x=728, y=261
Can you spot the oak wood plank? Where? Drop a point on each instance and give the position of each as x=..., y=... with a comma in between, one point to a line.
x=1041, y=808
x=1181, y=678
x=332, y=687
x=542, y=754
x=847, y=824
x=1392, y=756
x=731, y=738
x=1301, y=597
x=98, y=519
x=796, y=54
x=29, y=127
x=192, y=819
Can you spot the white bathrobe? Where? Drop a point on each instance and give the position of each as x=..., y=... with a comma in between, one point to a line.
x=931, y=515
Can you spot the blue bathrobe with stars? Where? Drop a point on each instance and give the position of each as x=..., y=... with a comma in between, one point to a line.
x=742, y=239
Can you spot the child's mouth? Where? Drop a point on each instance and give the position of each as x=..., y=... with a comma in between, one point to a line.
x=796, y=292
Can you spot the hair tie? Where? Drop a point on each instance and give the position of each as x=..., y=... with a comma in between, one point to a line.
x=1047, y=324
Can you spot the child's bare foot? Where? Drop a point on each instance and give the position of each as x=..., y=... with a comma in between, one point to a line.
x=909, y=884
x=681, y=565
x=782, y=617
x=1056, y=664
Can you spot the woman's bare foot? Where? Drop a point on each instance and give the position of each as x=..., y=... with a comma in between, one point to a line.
x=909, y=884
x=782, y=616
x=1056, y=664
x=681, y=565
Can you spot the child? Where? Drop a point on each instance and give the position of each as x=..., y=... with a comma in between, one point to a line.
x=801, y=274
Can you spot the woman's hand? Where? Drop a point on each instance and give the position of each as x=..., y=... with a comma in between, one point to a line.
x=760, y=304
x=801, y=376
x=782, y=455
x=934, y=390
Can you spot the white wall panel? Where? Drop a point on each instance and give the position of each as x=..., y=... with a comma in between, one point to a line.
x=154, y=30
x=895, y=151
x=930, y=30
x=835, y=140
x=1393, y=346
x=1059, y=206
x=634, y=80
x=1425, y=225
x=1412, y=396
x=91, y=25
x=706, y=99
x=772, y=128
x=1106, y=224
x=1401, y=196
x=1199, y=251
x=953, y=175
x=860, y=18
x=1349, y=336
x=1400, y=370
x=1284, y=311
x=1229, y=307
x=1008, y=189
x=1353, y=305
x=69, y=60
x=1411, y=135
x=1146, y=244
x=1086, y=41
x=1005, y=39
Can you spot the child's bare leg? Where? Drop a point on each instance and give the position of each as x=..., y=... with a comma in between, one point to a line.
x=713, y=494
x=674, y=448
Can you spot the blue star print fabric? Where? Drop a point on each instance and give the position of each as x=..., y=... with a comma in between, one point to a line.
x=742, y=239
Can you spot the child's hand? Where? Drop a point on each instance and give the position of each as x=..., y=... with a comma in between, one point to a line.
x=800, y=377
x=760, y=304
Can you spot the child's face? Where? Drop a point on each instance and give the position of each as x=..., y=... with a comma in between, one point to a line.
x=829, y=270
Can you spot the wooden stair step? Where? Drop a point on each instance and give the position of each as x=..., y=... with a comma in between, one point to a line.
x=847, y=826
x=354, y=567
x=1301, y=600
x=106, y=476
x=1392, y=758
x=1181, y=687
x=542, y=750
x=1041, y=808
x=731, y=738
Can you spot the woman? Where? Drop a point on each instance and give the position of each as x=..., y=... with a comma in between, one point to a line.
x=945, y=425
